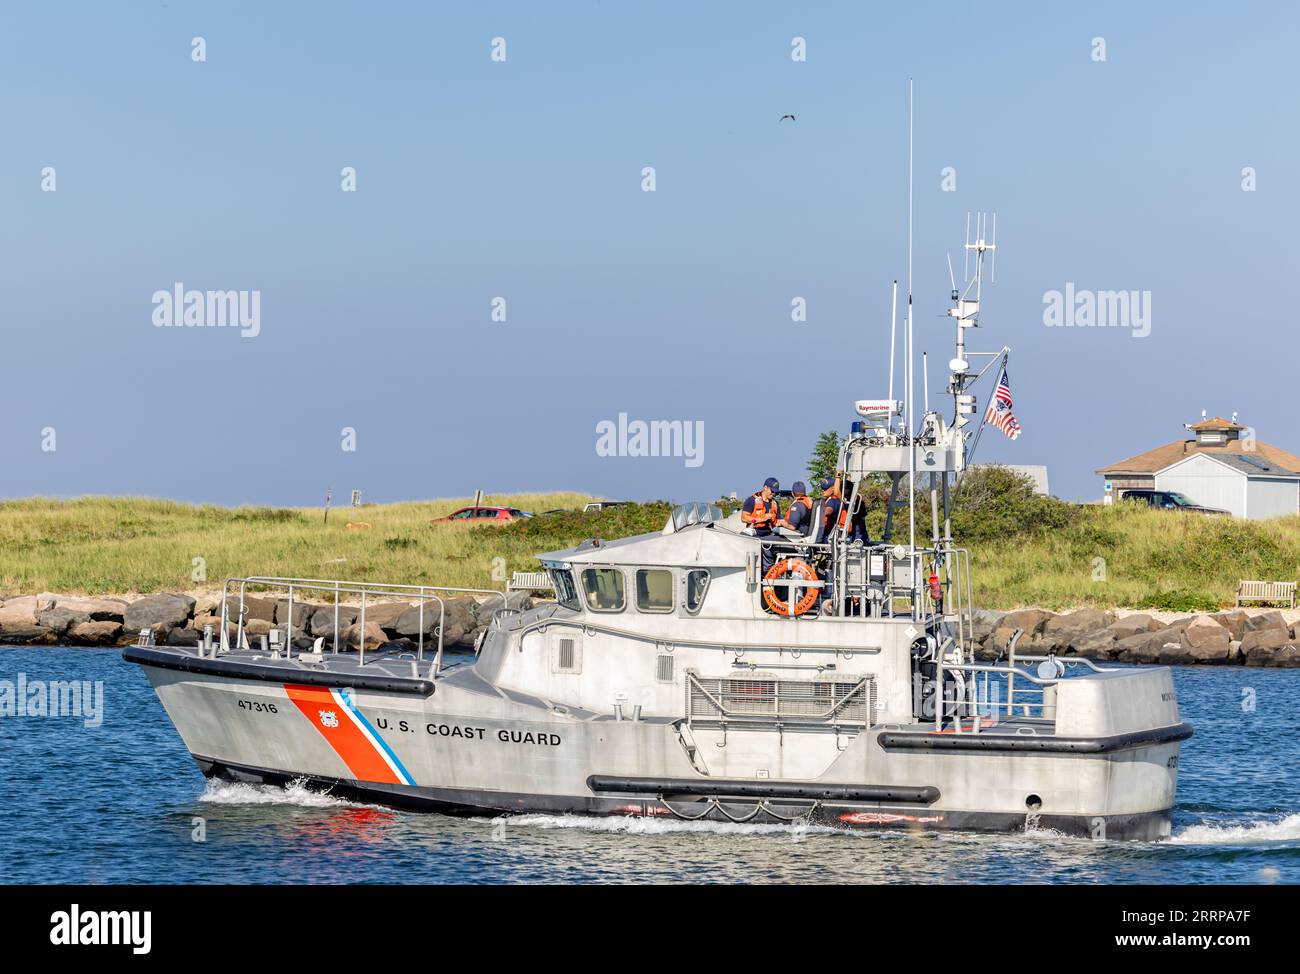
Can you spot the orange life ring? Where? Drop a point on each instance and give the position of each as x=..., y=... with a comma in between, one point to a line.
x=792, y=566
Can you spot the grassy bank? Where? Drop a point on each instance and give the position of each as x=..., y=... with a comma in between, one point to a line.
x=1149, y=559
x=104, y=545
x=1026, y=551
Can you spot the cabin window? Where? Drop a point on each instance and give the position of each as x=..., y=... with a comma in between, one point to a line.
x=604, y=589
x=565, y=592
x=697, y=583
x=654, y=590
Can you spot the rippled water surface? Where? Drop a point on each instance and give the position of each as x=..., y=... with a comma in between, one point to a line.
x=117, y=804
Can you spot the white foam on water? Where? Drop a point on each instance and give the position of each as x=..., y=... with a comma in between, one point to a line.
x=659, y=825
x=1230, y=833
x=294, y=793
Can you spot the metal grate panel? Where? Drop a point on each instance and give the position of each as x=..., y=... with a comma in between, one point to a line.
x=567, y=655
x=835, y=701
x=665, y=669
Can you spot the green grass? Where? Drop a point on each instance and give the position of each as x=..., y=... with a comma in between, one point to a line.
x=1025, y=551
x=123, y=545
x=1150, y=559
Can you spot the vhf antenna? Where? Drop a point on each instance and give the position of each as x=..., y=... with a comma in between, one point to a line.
x=966, y=309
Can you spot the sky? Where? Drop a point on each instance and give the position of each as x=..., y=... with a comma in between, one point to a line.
x=377, y=363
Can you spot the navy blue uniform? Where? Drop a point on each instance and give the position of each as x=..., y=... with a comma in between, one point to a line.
x=799, y=517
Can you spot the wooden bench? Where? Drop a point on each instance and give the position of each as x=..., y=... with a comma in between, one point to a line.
x=530, y=582
x=1255, y=591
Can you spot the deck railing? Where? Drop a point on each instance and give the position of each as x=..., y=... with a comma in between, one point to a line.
x=1029, y=695
x=416, y=596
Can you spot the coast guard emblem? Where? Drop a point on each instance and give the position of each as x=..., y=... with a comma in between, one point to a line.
x=328, y=718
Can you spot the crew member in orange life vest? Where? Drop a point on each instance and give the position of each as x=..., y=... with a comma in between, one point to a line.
x=831, y=497
x=799, y=517
x=761, y=513
x=833, y=511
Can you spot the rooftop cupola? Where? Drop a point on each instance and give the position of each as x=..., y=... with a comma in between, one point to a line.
x=1216, y=431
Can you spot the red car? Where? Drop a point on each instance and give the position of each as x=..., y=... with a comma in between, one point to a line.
x=481, y=515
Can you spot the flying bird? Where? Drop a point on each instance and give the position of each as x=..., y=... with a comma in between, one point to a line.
x=790, y=117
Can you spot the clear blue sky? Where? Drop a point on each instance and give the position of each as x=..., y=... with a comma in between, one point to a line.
x=523, y=179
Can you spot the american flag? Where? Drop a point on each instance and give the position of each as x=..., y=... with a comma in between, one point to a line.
x=999, y=413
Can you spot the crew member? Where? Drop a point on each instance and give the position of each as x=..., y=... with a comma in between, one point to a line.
x=760, y=514
x=832, y=503
x=799, y=517
x=835, y=512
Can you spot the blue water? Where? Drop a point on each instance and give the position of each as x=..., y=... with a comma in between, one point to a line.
x=117, y=804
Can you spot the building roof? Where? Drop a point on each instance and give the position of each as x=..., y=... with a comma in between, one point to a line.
x=1214, y=423
x=1251, y=464
x=1170, y=453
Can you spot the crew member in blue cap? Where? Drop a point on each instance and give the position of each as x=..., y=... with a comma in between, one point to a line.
x=835, y=512
x=799, y=517
x=832, y=502
x=761, y=514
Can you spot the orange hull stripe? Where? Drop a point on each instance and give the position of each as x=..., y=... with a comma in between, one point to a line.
x=345, y=737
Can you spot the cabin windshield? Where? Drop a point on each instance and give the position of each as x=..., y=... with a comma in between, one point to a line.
x=654, y=590
x=566, y=594
x=604, y=589
x=697, y=583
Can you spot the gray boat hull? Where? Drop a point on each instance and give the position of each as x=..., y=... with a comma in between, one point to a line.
x=468, y=748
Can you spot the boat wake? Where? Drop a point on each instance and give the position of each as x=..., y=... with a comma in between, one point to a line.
x=1238, y=833
x=660, y=825
x=295, y=793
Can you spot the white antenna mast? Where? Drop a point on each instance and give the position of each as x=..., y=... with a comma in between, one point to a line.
x=911, y=443
x=966, y=312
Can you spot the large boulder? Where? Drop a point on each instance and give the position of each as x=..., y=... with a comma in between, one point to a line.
x=255, y=629
x=215, y=622
x=27, y=633
x=161, y=613
x=1144, y=647
x=58, y=620
x=1233, y=620
x=1031, y=621
x=1096, y=645
x=1086, y=619
x=322, y=620
x=1260, y=646
x=302, y=613
x=182, y=637
x=97, y=632
x=983, y=622
x=255, y=607
x=1174, y=654
x=1135, y=624
x=1265, y=620
x=1288, y=656
x=1205, y=641
x=95, y=609
x=207, y=605
x=458, y=620
x=385, y=615
x=999, y=642
x=19, y=610
x=1060, y=632
x=374, y=635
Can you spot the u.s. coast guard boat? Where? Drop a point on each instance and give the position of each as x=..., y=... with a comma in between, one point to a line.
x=672, y=676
